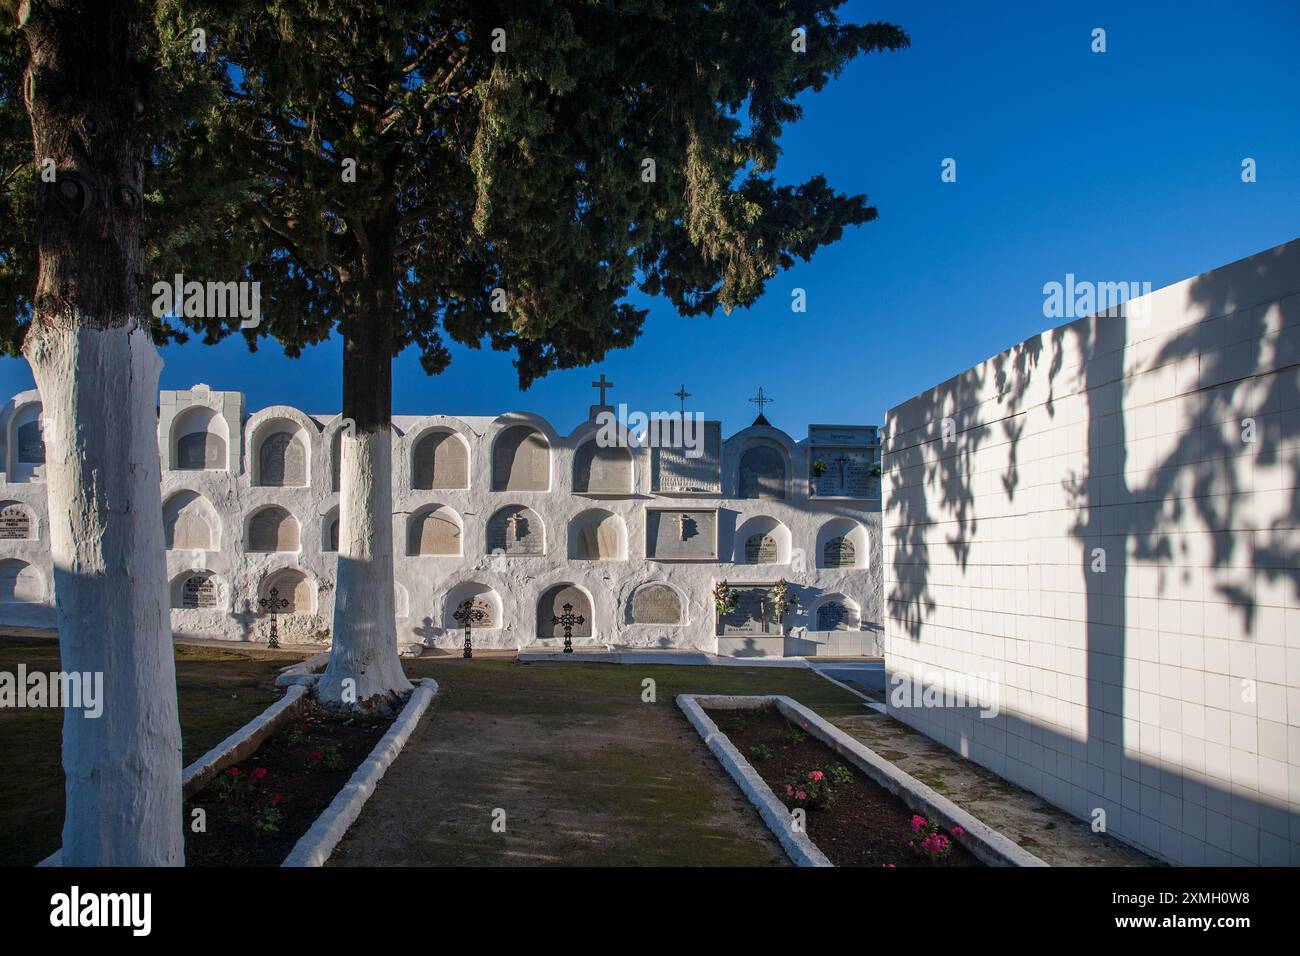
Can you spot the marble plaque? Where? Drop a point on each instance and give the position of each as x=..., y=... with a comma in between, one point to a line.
x=31, y=444
x=673, y=472
x=844, y=461
x=516, y=531
x=441, y=461
x=839, y=553
x=433, y=532
x=199, y=451
x=273, y=529
x=283, y=461
x=656, y=604
x=521, y=460
x=760, y=549
x=200, y=591
x=762, y=473
x=15, y=522
x=687, y=535
x=753, y=613
x=599, y=538
x=189, y=531
x=598, y=470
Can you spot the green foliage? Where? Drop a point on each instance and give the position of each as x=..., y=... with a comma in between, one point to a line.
x=17, y=189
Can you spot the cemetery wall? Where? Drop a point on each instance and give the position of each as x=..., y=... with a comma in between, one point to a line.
x=503, y=515
x=1090, y=544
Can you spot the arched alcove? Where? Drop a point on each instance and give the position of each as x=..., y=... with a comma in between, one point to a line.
x=280, y=455
x=835, y=612
x=564, y=604
x=294, y=586
x=597, y=535
x=516, y=530
x=761, y=539
x=329, y=531
x=482, y=600
x=272, y=529
x=434, y=530
x=842, y=544
x=521, y=460
x=199, y=440
x=26, y=444
x=599, y=470
x=20, y=583
x=439, y=460
x=190, y=523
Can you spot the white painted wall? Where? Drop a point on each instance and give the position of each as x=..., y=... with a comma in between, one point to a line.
x=1166, y=690
x=512, y=584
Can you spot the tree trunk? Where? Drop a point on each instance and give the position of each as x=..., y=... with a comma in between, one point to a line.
x=97, y=372
x=363, y=658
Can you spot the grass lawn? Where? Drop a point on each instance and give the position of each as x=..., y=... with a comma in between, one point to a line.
x=219, y=691
x=585, y=772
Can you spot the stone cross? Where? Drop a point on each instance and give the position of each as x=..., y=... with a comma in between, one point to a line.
x=842, y=461
x=681, y=526
x=567, y=620
x=513, y=522
x=602, y=385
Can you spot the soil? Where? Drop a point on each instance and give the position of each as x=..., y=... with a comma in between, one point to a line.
x=862, y=825
x=291, y=779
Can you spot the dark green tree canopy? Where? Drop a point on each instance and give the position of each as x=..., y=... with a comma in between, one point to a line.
x=559, y=152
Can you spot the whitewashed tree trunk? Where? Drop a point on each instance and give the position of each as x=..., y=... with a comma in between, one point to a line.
x=363, y=659
x=99, y=390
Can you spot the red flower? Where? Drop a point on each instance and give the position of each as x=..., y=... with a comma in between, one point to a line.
x=304, y=726
x=276, y=798
x=234, y=771
x=259, y=773
x=314, y=755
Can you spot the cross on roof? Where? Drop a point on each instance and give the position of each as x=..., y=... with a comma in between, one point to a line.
x=602, y=385
x=760, y=400
x=683, y=395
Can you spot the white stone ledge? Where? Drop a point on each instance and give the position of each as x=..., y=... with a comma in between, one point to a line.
x=987, y=844
x=316, y=845
x=678, y=657
x=304, y=672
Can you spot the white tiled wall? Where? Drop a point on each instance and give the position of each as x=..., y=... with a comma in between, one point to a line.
x=1164, y=691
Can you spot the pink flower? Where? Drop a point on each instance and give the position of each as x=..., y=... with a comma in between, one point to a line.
x=259, y=773
x=957, y=831
x=789, y=790
x=800, y=795
x=918, y=821
x=815, y=774
x=276, y=798
x=887, y=866
x=234, y=771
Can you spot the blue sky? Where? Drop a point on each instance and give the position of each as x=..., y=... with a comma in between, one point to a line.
x=1121, y=166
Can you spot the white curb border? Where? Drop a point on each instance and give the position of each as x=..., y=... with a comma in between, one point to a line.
x=987, y=844
x=798, y=847
x=304, y=672
x=316, y=845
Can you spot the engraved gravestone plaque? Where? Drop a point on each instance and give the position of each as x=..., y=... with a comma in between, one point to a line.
x=656, y=604
x=480, y=614
x=674, y=472
x=31, y=444
x=832, y=616
x=762, y=473
x=15, y=523
x=199, y=591
x=760, y=549
x=844, y=461
x=686, y=535
x=839, y=553
x=515, y=531
x=753, y=613
x=199, y=451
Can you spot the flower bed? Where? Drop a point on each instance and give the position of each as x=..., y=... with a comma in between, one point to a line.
x=255, y=812
x=852, y=819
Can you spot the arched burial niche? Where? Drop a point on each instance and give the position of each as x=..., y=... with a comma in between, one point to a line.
x=294, y=586
x=27, y=444
x=835, y=612
x=762, y=472
x=762, y=539
x=189, y=523
x=281, y=455
x=198, y=590
x=484, y=604
x=199, y=440
x=599, y=470
x=597, y=535
x=329, y=542
x=440, y=460
x=433, y=530
x=655, y=603
x=516, y=530
x=273, y=529
x=20, y=583
x=564, y=604
x=842, y=544
x=521, y=460
x=16, y=522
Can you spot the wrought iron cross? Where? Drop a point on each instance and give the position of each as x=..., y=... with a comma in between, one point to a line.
x=760, y=400
x=468, y=615
x=602, y=385
x=842, y=461
x=683, y=395
x=567, y=620
x=272, y=603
